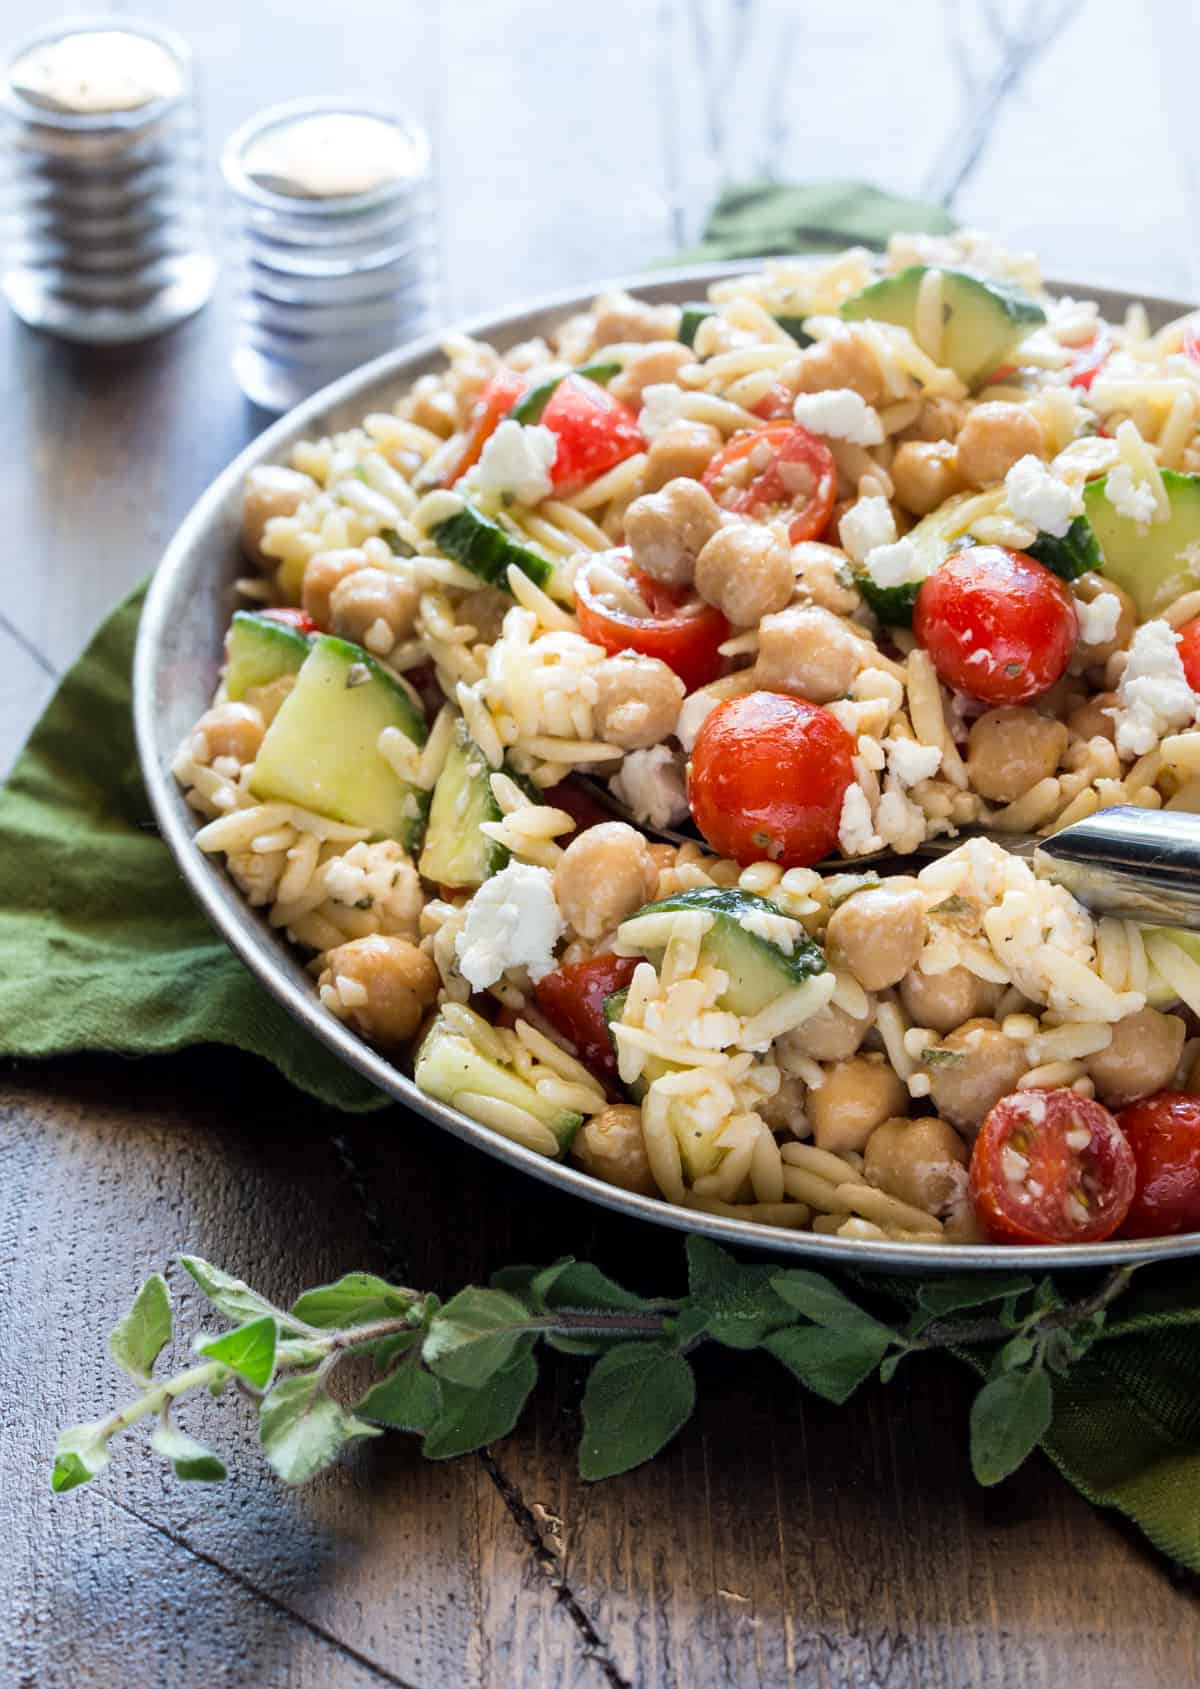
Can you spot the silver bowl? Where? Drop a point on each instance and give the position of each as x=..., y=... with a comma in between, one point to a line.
x=178, y=654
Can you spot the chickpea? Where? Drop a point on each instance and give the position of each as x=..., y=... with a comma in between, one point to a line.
x=857, y=1096
x=610, y=1146
x=878, y=933
x=922, y=1162
x=943, y=1001
x=637, y=701
x=924, y=474
x=271, y=490
x=485, y=610
x=683, y=448
x=746, y=571
x=938, y=419
x=400, y=981
x=1092, y=720
x=823, y=577
x=844, y=360
x=978, y=1066
x=374, y=607
x=668, y=530
x=603, y=876
x=785, y=1110
x=1011, y=749
x=808, y=652
x=994, y=436
x=829, y=1035
x=620, y=317
x=1141, y=1059
x=232, y=730
x=1089, y=587
x=661, y=361
x=322, y=574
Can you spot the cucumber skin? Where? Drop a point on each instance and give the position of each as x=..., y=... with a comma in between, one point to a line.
x=888, y=299
x=531, y=408
x=448, y=1064
x=441, y=858
x=1073, y=555
x=258, y=651
x=482, y=546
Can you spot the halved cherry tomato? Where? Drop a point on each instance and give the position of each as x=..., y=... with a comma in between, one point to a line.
x=491, y=407
x=775, y=403
x=299, y=620
x=1091, y=359
x=1189, y=652
x=775, y=469
x=1051, y=1167
x=767, y=779
x=1164, y=1135
x=595, y=432
x=1191, y=344
x=998, y=625
x=681, y=630
x=572, y=1000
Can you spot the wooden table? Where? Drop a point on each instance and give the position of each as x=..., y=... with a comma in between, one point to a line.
x=779, y=1540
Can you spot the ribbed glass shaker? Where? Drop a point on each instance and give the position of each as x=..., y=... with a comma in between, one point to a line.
x=336, y=243
x=105, y=235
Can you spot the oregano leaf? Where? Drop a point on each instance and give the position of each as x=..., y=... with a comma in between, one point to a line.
x=950, y=1295
x=820, y=1300
x=474, y=1335
x=688, y=1325
x=577, y=1284
x=1009, y=1418
x=248, y=1350
x=80, y=1455
x=472, y=1418
x=302, y=1429
x=410, y=1400
x=354, y=1299
x=738, y=1300
x=637, y=1397
x=230, y=1295
x=1013, y=1355
x=829, y=1361
x=193, y=1462
x=140, y=1336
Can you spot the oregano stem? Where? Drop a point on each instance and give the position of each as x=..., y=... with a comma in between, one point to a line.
x=162, y=1395
x=943, y=1334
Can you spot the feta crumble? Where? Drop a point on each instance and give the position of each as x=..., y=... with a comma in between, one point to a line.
x=662, y=404
x=911, y=763
x=856, y=836
x=1098, y=620
x=893, y=565
x=779, y=930
x=512, y=921
x=515, y=463
x=867, y=524
x=1153, y=697
x=651, y=783
x=1036, y=496
x=1134, y=499
x=841, y=414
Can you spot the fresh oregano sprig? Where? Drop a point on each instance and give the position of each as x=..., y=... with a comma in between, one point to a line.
x=458, y=1374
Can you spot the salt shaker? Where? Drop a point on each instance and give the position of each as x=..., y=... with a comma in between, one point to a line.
x=106, y=237
x=335, y=242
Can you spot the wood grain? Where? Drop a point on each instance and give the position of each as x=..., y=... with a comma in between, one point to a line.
x=778, y=1541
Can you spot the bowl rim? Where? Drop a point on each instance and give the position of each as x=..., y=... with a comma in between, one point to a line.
x=266, y=954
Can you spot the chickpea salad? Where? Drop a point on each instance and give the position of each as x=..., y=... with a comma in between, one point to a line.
x=851, y=555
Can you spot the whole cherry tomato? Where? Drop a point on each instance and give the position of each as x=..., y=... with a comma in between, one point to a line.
x=595, y=432
x=572, y=1000
x=1164, y=1135
x=1051, y=1167
x=298, y=620
x=774, y=470
x=768, y=777
x=1189, y=652
x=997, y=624
x=495, y=401
x=681, y=630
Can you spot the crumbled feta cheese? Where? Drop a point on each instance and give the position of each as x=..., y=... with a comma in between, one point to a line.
x=1153, y=697
x=911, y=763
x=840, y=413
x=693, y=713
x=662, y=404
x=1098, y=620
x=867, y=524
x=512, y=921
x=651, y=783
x=901, y=824
x=1134, y=499
x=856, y=836
x=893, y=565
x=515, y=463
x=1036, y=496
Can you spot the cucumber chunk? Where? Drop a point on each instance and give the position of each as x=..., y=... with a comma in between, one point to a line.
x=984, y=320
x=456, y=853
x=482, y=546
x=258, y=650
x=944, y=530
x=693, y=314
x=1155, y=562
x=448, y=1064
x=1072, y=555
x=321, y=750
x=530, y=408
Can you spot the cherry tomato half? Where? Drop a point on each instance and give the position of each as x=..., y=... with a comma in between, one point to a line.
x=775, y=403
x=767, y=779
x=495, y=401
x=1191, y=344
x=1164, y=1135
x=997, y=624
x=595, y=432
x=1189, y=652
x=1090, y=359
x=572, y=1000
x=299, y=620
x=1051, y=1167
x=775, y=469
x=681, y=630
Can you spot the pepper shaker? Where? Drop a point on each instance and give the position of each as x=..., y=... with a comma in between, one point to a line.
x=106, y=219
x=335, y=241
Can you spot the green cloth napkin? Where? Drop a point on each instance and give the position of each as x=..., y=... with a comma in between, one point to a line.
x=102, y=948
